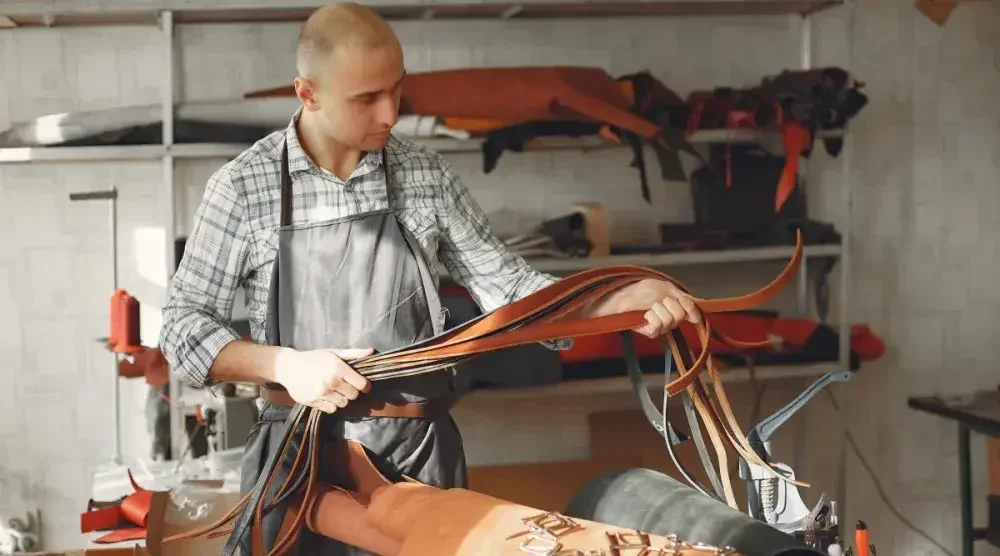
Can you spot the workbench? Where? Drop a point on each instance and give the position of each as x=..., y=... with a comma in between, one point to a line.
x=980, y=413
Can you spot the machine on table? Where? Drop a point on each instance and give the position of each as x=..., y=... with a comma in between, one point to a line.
x=777, y=523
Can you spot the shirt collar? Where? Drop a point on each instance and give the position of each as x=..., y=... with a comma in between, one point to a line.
x=299, y=161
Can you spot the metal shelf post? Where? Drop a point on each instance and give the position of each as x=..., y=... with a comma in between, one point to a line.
x=177, y=429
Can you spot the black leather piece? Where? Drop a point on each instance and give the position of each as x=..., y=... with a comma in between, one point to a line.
x=656, y=503
x=241, y=527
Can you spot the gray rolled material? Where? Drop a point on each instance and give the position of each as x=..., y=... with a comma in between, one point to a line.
x=656, y=503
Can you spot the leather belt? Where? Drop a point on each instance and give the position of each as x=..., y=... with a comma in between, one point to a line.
x=431, y=409
x=535, y=318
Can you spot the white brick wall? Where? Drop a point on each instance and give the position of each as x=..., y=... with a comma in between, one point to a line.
x=924, y=230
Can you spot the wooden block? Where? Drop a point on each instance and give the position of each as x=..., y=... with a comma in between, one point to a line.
x=597, y=227
x=993, y=465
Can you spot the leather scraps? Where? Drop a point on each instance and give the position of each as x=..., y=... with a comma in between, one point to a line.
x=511, y=106
x=128, y=518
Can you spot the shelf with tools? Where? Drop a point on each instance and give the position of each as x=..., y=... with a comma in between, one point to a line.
x=68, y=13
x=442, y=145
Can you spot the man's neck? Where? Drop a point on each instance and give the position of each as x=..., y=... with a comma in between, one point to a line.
x=326, y=152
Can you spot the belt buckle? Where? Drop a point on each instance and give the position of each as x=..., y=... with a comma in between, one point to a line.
x=636, y=540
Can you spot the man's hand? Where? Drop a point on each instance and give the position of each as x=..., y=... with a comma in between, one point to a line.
x=321, y=378
x=667, y=305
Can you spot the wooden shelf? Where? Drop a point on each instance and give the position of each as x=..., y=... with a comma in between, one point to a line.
x=667, y=260
x=439, y=144
x=621, y=384
x=66, y=13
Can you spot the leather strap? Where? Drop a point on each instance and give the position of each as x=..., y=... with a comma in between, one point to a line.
x=538, y=317
x=432, y=409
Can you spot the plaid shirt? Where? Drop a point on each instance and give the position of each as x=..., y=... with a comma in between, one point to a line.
x=233, y=240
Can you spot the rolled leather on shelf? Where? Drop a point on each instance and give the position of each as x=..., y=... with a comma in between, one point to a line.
x=651, y=501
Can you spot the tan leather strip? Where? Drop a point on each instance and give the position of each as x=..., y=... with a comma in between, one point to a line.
x=363, y=408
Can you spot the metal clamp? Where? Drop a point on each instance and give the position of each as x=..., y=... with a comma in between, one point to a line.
x=545, y=530
x=774, y=501
x=628, y=541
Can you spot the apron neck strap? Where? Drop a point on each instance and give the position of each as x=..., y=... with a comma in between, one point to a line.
x=286, y=187
x=286, y=184
x=385, y=178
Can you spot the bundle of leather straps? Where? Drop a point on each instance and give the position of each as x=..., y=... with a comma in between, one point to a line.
x=354, y=508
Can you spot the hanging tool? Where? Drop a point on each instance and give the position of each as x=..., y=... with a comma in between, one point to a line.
x=776, y=502
x=861, y=545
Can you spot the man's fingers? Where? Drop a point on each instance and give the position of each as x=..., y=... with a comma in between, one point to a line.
x=337, y=399
x=692, y=310
x=345, y=390
x=324, y=405
x=665, y=319
x=653, y=325
x=354, y=380
x=673, y=306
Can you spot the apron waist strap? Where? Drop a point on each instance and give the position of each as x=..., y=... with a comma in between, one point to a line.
x=438, y=407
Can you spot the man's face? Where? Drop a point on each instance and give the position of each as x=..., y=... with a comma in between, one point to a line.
x=357, y=95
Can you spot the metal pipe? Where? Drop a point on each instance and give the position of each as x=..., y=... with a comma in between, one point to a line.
x=805, y=52
x=177, y=437
x=116, y=399
x=847, y=187
x=110, y=195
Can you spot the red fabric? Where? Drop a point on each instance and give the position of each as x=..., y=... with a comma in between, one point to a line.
x=868, y=346
x=132, y=510
x=792, y=334
x=796, y=139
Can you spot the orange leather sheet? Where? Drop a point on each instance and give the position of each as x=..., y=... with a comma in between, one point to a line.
x=564, y=93
x=126, y=520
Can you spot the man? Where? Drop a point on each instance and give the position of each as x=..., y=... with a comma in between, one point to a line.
x=336, y=231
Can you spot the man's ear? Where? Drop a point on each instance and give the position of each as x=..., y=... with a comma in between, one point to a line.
x=305, y=89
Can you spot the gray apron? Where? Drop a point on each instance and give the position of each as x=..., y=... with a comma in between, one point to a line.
x=359, y=281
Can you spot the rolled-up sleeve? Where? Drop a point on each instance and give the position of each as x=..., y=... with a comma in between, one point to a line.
x=197, y=315
x=478, y=260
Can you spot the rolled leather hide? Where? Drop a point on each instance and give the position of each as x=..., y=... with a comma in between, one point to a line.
x=413, y=519
x=651, y=501
x=516, y=94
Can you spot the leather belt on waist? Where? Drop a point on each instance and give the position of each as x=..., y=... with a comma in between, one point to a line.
x=536, y=318
x=362, y=408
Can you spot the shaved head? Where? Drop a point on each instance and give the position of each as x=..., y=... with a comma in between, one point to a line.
x=345, y=26
x=350, y=77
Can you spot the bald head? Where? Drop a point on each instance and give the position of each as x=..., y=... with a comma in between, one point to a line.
x=341, y=27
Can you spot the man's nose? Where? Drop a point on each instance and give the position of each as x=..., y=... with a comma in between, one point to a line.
x=387, y=111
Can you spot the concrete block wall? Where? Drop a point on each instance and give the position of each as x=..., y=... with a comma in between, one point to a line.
x=923, y=234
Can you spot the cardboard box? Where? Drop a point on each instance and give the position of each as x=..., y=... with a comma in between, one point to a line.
x=159, y=527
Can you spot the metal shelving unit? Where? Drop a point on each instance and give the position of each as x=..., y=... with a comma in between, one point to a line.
x=442, y=145
x=166, y=14
x=62, y=13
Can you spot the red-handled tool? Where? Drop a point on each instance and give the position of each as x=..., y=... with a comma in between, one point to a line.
x=861, y=547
